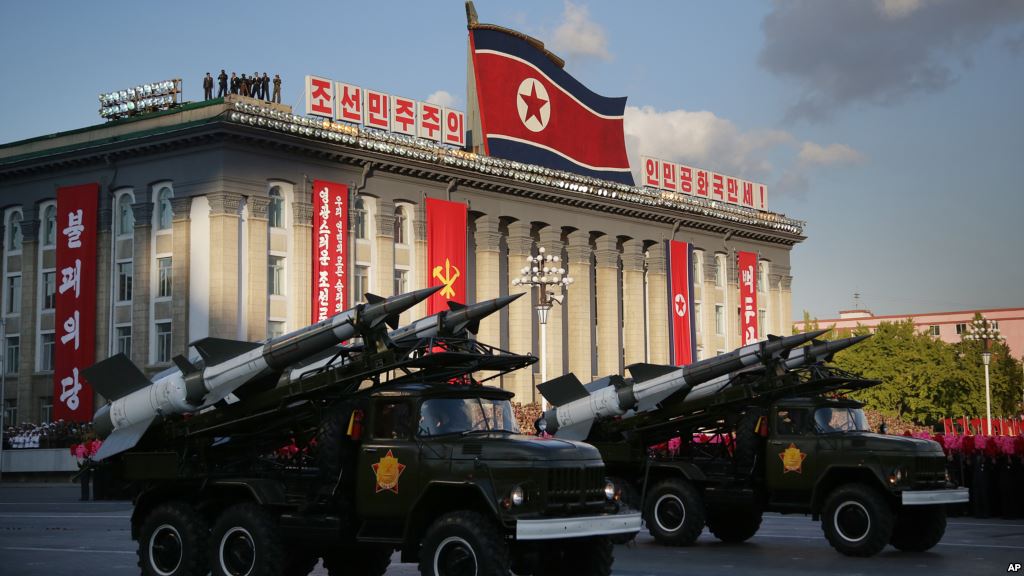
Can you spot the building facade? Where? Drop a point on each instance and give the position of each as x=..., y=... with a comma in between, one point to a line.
x=205, y=221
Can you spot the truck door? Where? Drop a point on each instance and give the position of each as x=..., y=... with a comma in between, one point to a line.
x=791, y=461
x=388, y=469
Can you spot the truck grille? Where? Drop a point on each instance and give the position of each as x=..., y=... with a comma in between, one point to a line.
x=575, y=485
x=930, y=473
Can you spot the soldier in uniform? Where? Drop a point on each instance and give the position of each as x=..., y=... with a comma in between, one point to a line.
x=234, y=83
x=256, y=90
x=277, y=88
x=222, y=84
x=207, y=87
x=244, y=85
x=265, y=86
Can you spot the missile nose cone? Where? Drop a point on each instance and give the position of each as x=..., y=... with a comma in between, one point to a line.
x=506, y=300
x=390, y=308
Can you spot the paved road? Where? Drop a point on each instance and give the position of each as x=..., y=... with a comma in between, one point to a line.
x=45, y=530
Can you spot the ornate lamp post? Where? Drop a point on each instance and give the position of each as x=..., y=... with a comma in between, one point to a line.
x=985, y=332
x=544, y=272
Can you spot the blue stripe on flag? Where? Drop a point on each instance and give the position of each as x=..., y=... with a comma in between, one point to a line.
x=529, y=154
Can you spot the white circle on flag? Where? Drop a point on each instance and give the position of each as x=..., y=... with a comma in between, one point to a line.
x=680, y=305
x=533, y=104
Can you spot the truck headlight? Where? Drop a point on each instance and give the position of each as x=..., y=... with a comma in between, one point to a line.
x=609, y=490
x=896, y=476
x=517, y=497
x=541, y=425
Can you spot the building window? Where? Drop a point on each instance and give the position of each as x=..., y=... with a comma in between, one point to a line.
x=400, y=223
x=696, y=318
x=401, y=282
x=698, y=269
x=124, y=340
x=10, y=411
x=12, y=353
x=46, y=352
x=49, y=290
x=360, y=216
x=50, y=225
x=720, y=270
x=762, y=277
x=164, y=275
x=933, y=330
x=164, y=211
x=163, y=342
x=700, y=353
x=125, y=216
x=124, y=281
x=762, y=322
x=46, y=409
x=275, y=210
x=275, y=328
x=13, y=294
x=719, y=319
x=961, y=329
x=14, y=236
x=994, y=324
x=362, y=283
x=275, y=275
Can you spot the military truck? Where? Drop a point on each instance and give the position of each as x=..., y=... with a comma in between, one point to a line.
x=774, y=438
x=378, y=449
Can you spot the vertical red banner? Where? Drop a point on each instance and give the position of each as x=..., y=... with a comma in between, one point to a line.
x=683, y=343
x=446, y=252
x=748, y=297
x=330, y=249
x=75, y=314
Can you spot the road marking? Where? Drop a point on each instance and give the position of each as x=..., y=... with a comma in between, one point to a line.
x=950, y=523
x=65, y=516
x=759, y=535
x=76, y=550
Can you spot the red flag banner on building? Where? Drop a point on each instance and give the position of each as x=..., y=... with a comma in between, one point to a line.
x=680, y=302
x=446, y=252
x=75, y=308
x=330, y=249
x=748, y=297
x=531, y=110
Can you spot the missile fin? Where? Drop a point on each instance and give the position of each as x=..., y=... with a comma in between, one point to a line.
x=184, y=365
x=642, y=371
x=577, y=431
x=116, y=377
x=563, y=389
x=373, y=298
x=453, y=305
x=216, y=350
x=473, y=327
x=123, y=439
x=392, y=320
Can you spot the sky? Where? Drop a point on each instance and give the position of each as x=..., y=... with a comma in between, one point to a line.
x=894, y=128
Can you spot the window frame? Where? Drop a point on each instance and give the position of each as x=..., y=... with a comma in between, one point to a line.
x=157, y=341
x=160, y=283
x=160, y=201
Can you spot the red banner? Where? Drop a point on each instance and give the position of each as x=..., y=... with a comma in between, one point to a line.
x=75, y=314
x=446, y=252
x=748, y=297
x=680, y=303
x=330, y=249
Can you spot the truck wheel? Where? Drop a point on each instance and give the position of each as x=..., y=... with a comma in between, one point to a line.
x=674, y=513
x=734, y=526
x=364, y=560
x=585, y=556
x=919, y=528
x=749, y=444
x=464, y=543
x=857, y=521
x=245, y=542
x=172, y=541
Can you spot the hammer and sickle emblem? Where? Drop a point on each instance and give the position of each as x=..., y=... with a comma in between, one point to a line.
x=447, y=274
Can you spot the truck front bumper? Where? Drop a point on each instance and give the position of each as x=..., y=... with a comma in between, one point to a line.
x=931, y=497
x=577, y=526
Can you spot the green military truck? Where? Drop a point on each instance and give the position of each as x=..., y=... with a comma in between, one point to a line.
x=373, y=453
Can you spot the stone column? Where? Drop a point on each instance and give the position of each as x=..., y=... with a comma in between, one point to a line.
x=633, y=297
x=657, y=305
x=257, y=261
x=142, y=263
x=224, y=227
x=488, y=280
x=786, y=309
x=104, y=273
x=28, y=404
x=520, y=315
x=551, y=240
x=577, y=302
x=419, y=256
x=302, y=254
x=181, y=237
x=609, y=326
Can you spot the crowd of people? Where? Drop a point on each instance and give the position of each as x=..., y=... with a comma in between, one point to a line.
x=254, y=86
x=59, y=434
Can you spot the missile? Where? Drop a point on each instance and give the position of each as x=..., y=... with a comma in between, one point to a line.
x=818, y=351
x=576, y=406
x=136, y=401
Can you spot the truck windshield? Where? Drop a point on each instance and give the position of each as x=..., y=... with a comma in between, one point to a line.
x=440, y=416
x=846, y=419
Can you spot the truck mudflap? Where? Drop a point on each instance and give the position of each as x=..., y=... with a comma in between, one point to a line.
x=929, y=497
x=577, y=527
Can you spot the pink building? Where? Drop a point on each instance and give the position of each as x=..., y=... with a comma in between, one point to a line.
x=948, y=326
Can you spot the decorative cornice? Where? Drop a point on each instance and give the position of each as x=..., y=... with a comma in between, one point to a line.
x=105, y=218
x=182, y=208
x=488, y=234
x=223, y=203
x=258, y=206
x=29, y=229
x=520, y=243
x=385, y=218
x=656, y=261
x=143, y=212
x=606, y=253
x=633, y=256
x=303, y=212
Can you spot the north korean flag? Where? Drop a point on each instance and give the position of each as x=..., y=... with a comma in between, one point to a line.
x=533, y=111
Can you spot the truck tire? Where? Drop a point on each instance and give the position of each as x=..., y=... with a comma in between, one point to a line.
x=749, y=444
x=584, y=556
x=172, y=541
x=734, y=526
x=674, y=513
x=332, y=444
x=359, y=560
x=857, y=520
x=300, y=562
x=245, y=542
x=918, y=528
x=464, y=543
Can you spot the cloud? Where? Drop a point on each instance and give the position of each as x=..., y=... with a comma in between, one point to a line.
x=814, y=154
x=443, y=98
x=578, y=36
x=843, y=53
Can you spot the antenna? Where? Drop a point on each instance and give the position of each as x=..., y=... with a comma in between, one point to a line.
x=856, y=301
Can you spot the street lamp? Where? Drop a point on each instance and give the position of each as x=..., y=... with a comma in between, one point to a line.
x=985, y=332
x=543, y=272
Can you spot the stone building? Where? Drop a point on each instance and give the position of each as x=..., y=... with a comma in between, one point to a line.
x=205, y=230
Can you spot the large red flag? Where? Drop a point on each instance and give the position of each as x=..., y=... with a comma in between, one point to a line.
x=680, y=303
x=748, y=297
x=446, y=252
x=330, y=249
x=75, y=315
